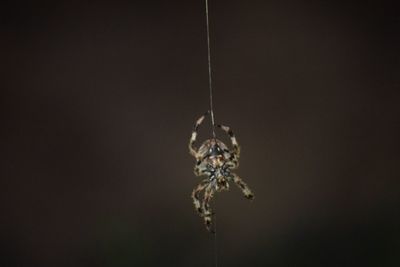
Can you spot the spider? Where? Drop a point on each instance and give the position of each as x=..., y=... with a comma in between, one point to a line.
x=215, y=160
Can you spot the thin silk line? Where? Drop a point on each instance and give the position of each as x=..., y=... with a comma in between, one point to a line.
x=212, y=121
x=209, y=71
x=215, y=242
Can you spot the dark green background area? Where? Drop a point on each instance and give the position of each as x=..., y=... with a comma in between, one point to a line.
x=98, y=99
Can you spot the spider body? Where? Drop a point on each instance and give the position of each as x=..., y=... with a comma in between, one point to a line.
x=215, y=161
x=215, y=157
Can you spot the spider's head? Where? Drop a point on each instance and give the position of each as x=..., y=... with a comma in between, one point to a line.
x=215, y=150
x=216, y=157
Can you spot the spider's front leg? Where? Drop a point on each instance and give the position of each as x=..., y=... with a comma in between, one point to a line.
x=236, y=148
x=207, y=212
x=195, y=195
x=243, y=186
x=192, y=148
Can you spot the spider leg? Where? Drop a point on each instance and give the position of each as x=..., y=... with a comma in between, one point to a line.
x=207, y=212
x=200, y=169
x=236, y=148
x=192, y=148
x=195, y=195
x=243, y=186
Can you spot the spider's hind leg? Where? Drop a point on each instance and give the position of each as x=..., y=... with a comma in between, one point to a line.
x=195, y=196
x=207, y=212
x=243, y=186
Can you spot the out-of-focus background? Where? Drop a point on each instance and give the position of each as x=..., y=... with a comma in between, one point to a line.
x=98, y=99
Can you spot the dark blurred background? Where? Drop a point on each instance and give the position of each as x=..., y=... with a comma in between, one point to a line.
x=98, y=99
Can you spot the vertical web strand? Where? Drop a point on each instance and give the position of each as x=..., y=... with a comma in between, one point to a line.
x=215, y=242
x=212, y=121
x=209, y=71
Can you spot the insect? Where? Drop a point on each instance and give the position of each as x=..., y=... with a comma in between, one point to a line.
x=216, y=161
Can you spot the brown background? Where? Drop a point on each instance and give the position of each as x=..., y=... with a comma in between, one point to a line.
x=98, y=100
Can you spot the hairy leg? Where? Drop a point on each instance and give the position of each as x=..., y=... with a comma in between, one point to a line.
x=236, y=148
x=207, y=212
x=195, y=195
x=192, y=148
x=243, y=186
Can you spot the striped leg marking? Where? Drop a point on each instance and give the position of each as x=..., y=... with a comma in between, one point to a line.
x=236, y=147
x=192, y=148
x=195, y=195
x=243, y=186
x=209, y=193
